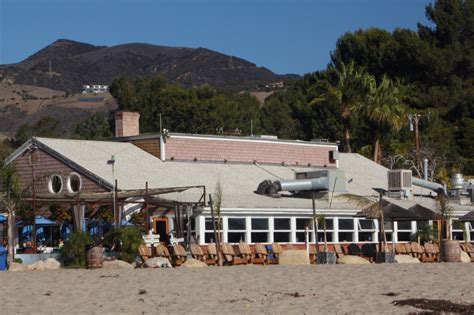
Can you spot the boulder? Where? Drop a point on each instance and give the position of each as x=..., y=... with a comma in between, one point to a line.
x=157, y=262
x=37, y=266
x=352, y=260
x=48, y=264
x=194, y=263
x=465, y=257
x=406, y=259
x=293, y=257
x=17, y=267
x=116, y=264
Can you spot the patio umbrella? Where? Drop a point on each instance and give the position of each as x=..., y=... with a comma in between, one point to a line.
x=468, y=217
x=39, y=220
x=2, y=218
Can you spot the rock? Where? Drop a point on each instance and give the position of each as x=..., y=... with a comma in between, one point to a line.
x=17, y=267
x=406, y=259
x=352, y=260
x=157, y=262
x=38, y=266
x=465, y=257
x=51, y=264
x=194, y=263
x=293, y=257
x=116, y=264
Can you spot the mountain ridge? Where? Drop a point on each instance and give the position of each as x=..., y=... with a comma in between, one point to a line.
x=67, y=65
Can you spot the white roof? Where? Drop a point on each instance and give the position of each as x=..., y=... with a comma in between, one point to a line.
x=133, y=167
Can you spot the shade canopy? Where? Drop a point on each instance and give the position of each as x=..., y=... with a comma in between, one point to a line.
x=468, y=217
x=39, y=220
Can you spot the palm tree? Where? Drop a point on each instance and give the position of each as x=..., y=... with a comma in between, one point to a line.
x=384, y=108
x=348, y=91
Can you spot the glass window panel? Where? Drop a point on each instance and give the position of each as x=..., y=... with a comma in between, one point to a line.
x=302, y=223
x=472, y=236
x=236, y=223
x=209, y=237
x=366, y=236
x=404, y=225
x=259, y=224
x=457, y=225
x=301, y=237
x=388, y=225
x=366, y=224
x=404, y=236
x=321, y=237
x=388, y=236
x=259, y=237
x=281, y=224
x=346, y=224
x=345, y=236
x=458, y=236
x=209, y=224
x=281, y=237
x=235, y=237
x=329, y=224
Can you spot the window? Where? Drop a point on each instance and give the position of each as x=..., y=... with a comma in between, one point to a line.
x=329, y=230
x=471, y=230
x=346, y=230
x=74, y=183
x=209, y=236
x=259, y=231
x=55, y=184
x=404, y=233
x=301, y=225
x=282, y=227
x=366, y=230
x=457, y=230
x=236, y=230
x=388, y=225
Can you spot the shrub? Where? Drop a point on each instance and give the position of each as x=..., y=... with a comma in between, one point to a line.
x=74, y=252
x=126, y=241
x=18, y=260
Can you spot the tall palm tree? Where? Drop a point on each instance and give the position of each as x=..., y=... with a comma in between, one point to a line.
x=348, y=90
x=384, y=109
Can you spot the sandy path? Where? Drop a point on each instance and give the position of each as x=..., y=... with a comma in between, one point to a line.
x=245, y=289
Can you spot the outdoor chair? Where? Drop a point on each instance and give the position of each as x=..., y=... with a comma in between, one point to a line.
x=400, y=249
x=197, y=253
x=145, y=253
x=245, y=252
x=261, y=254
x=179, y=255
x=339, y=250
x=419, y=252
x=162, y=251
x=230, y=258
x=469, y=249
x=276, y=250
x=430, y=252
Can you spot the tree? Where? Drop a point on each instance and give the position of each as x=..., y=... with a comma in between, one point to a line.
x=348, y=91
x=9, y=200
x=45, y=127
x=95, y=127
x=383, y=108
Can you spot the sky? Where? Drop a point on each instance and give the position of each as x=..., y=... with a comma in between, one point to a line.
x=285, y=36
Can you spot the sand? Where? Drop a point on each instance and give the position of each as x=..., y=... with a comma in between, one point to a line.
x=240, y=289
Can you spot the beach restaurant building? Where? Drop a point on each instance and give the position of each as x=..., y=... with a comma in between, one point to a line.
x=258, y=177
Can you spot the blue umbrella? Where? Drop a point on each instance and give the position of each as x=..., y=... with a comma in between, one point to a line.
x=39, y=220
x=2, y=218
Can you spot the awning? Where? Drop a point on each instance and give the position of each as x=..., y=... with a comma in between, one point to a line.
x=39, y=220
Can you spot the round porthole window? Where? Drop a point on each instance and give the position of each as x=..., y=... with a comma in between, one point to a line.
x=74, y=183
x=55, y=184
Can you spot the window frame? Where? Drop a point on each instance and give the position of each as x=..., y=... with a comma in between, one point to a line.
x=287, y=231
x=229, y=230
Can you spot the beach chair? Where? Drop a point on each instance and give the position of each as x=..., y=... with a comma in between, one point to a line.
x=261, y=254
x=230, y=258
x=276, y=250
x=419, y=252
x=145, y=253
x=469, y=249
x=430, y=252
x=339, y=250
x=408, y=249
x=162, y=251
x=312, y=254
x=212, y=251
x=196, y=252
x=400, y=249
x=178, y=254
x=245, y=252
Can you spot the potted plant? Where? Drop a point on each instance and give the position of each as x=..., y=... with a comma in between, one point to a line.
x=373, y=209
x=324, y=257
x=450, y=250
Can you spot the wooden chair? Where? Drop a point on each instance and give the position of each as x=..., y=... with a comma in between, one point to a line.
x=419, y=252
x=408, y=249
x=212, y=251
x=431, y=252
x=469, y=249
x=261, y=254
x=162, y=251
x=245, y=252
x=339, y=251
x=312, y=254
x=196, y=252
x=145, y=253
x=230, y=258
x=178, y=254
x=276, y=250
x=400, y=249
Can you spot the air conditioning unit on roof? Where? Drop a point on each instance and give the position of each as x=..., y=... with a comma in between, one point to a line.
x=399, y=180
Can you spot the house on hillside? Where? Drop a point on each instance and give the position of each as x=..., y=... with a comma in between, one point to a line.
x=260, y=178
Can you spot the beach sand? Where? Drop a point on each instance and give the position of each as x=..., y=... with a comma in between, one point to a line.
x=240, y=289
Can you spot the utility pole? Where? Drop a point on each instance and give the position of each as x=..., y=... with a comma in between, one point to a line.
x=414, y=120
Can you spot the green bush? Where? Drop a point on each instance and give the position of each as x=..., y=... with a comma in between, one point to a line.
x=18, y=260
x=74, y=251
x=126, y=241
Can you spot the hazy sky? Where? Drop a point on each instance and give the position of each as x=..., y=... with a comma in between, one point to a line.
x=286, y=36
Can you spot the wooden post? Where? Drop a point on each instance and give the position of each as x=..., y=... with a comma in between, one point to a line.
x=218, y=246
x=116, y=210
x=147, y=214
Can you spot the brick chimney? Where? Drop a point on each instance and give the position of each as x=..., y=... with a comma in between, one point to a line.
x=127, y=124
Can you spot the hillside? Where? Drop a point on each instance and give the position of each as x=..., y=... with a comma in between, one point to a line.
x=74, y=64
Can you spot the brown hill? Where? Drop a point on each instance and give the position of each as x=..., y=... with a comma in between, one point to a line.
x=74, y=64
